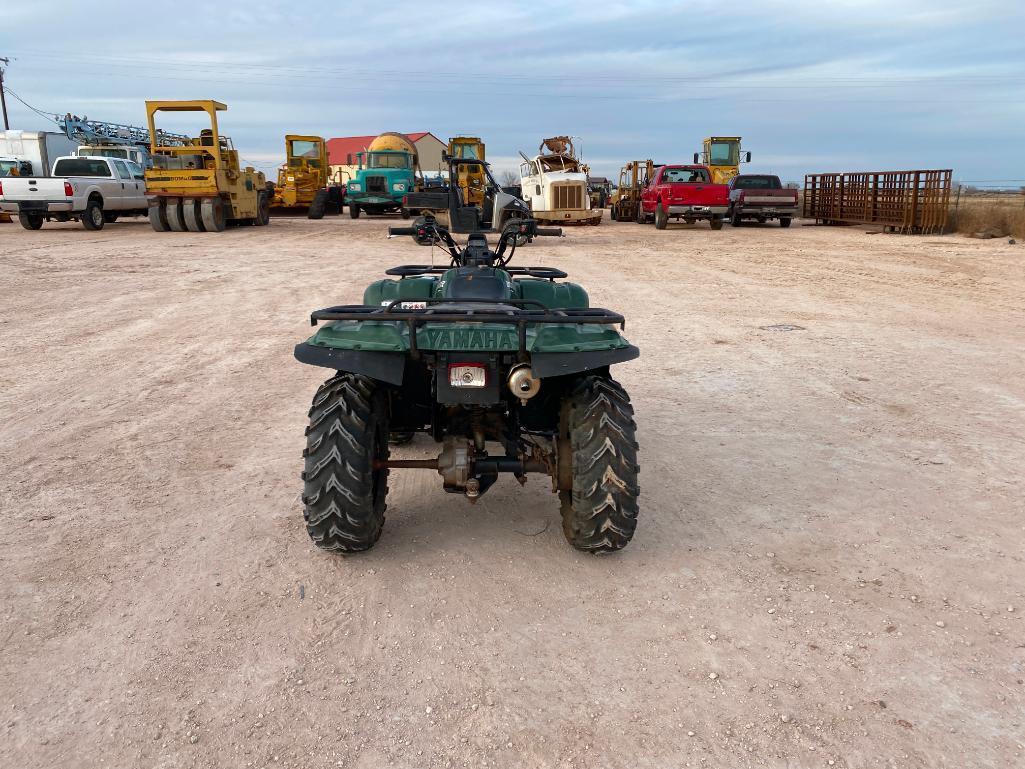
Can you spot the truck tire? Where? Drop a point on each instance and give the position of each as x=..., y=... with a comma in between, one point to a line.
x=784, y=221
x=661, y=218
x=639, y=217
x=175, y=216
x=343, y=495
x=158, y=215
x=92, y=216
x=110, y=216
x=335, y=200
x=597, y=432
x=353, y=211
x=30, y=221
x=715, y=222
x=318, y=206
x=735, y=220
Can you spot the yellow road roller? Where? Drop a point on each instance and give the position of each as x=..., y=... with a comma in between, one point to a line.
x=196, y=185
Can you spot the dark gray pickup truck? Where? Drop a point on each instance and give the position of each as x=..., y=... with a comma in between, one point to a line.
x=761, y=197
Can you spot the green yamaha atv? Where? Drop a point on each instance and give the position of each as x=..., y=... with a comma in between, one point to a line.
x=481, y=356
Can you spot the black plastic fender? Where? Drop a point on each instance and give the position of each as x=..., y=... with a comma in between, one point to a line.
x=383, y=366
x=547, y=364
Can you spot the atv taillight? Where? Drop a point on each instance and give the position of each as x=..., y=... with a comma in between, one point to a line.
x=467, y=375
x=67, y=189
x=1, y=188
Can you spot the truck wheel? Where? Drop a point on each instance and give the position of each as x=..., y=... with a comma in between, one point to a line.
x=600, y=513
x=343, y=495
x=92, y=216
x=735, y=220
x=405, y=213
x=318, y=206
x=30, y=221
x=661, y=219
x=110, y=216
x=158, y=215
x=175, y=216
x=353, y=211
x=262, y=210
x=193, y=213
x=784, y=221
x=715, y=222
x=214, y=217
x=639, y=217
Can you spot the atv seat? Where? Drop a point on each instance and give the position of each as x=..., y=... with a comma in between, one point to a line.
x=476, y=283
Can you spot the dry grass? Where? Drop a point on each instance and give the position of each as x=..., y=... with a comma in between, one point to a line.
x=996, y=214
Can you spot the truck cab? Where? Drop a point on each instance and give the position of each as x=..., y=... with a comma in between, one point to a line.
x=382, y=179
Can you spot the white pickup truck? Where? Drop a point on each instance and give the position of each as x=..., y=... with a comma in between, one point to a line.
x=94, y=190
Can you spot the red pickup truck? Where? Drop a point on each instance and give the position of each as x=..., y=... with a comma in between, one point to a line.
x=683, y=192
x=761, y=197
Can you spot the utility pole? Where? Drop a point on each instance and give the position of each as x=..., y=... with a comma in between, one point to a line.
x=3, y=98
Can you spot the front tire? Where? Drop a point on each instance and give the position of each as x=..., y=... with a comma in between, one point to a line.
x=343, y=495
x=353, y=211
x=319, y=205
x=599, y=515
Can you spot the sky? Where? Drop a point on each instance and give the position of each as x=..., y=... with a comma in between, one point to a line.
x=829, y=85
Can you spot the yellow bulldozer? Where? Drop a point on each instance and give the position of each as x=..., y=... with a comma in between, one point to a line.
x=303, y=181
x=197, y=185
x=723, y=156
x=470, y=178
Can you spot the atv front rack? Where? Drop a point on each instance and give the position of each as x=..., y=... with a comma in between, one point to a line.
x=521, y=314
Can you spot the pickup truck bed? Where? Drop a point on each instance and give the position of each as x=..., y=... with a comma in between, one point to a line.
x=94, y=190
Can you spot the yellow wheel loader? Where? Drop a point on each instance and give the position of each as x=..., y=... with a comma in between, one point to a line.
x=470, y=177
x=723, y=156
x=303, y=183
x=196, y=185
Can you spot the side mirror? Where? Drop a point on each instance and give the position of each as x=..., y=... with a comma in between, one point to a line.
x=747, y=157
x=696, y=158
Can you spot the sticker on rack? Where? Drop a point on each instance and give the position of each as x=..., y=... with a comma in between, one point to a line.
x=407, y=305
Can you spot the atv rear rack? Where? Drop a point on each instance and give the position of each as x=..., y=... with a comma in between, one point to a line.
x=413, y=270
x=521, y=314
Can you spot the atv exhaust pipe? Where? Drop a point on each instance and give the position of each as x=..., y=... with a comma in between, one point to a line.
x=522, y=382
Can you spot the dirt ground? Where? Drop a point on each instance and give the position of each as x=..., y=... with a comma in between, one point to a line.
x=828, y=569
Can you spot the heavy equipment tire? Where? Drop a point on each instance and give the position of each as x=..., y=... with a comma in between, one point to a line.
x=597, y=432
x=661, y=218
x=214, y=217
x=175, y=215
x=92, y=217
x=735, y=220
x=353, y=211
x=335, y=200
x=30, y=221
x=639, y=217
x=110, y=216
x=612, y=213
x=318, y=206
x=784, y=221
x=158, y=215
x=262, y=209
x=343, y=495
x=715, y=222
x=192, y=211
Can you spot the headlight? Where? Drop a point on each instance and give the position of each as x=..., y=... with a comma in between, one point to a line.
x=354, y=187
x=399, y=187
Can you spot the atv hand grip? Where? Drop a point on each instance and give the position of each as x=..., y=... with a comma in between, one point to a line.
x=402, y=230
x=551, y=232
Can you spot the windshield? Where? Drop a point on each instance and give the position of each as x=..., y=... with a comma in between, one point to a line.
x=80, y=167
x=684, y=175
x=103, y=152
x=6, y=166
x=724, y=153
x=388, y=160
x=756, y=183
x=466, y=151
x=307, y=150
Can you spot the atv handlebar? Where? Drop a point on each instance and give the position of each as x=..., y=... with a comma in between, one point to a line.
x=550, y=232
x=401, y=231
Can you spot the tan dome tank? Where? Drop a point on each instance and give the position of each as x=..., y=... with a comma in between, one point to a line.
x=394, y=142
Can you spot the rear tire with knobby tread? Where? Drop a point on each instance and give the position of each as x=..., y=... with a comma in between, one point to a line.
x=343, y=496
x=600, y=514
